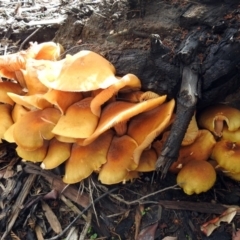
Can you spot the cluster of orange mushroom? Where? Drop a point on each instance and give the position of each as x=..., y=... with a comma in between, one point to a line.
x=76, y=111
x=67, y=111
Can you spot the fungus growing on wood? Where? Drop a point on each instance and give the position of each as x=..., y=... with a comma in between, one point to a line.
x=214, y=117
x=226, y=154
x=196, y=177
x=120, y=112
x=86, y=159
x=78, y=122
x=119, y=160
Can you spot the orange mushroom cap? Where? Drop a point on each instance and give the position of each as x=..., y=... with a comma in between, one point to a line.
x=119, y=160
x=145, y=127
x=120, y=111
x=147, y=162
x=58, y=152
x=62, y=100
x=36, y=155
x=31, y=81
x=227, y=155
x=78, y=122
x=232, y=136
x=5, y=119
x=11, y=63
x=128, y=81
x=6, y=87
x=18, y=111
x=213, y=118
x=196, y=177
x=33, y=127
x=200, y=150
x=84, y=71
x=30, y=102
x=86, y=159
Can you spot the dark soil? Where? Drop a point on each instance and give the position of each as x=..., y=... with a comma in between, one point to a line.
x=105, y=26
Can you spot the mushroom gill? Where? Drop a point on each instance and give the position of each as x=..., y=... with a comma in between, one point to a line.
x=214, y=117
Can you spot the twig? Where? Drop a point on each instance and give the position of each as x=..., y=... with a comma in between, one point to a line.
x=139, y=200
x=91, y=196
x=76, y=218
x=17, y=206
x=22, y=44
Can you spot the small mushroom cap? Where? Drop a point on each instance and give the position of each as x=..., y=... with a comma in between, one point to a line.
x=62, y=100
x=84, y=71
x=129, y=81
x=147, y=161
x=58, y=152
x=78, y=122
x=34, y=156
x=30, y=102
x=31, y=81
x=120, y=111
x=33, y=127
x=196, y=177
x=233, y=136
x=48, y=51
x=8, y=134
x=199, y=150
x=119, y=160
x=191, y=133
x=11, y=63
x=5, y=119
x=233, y=175
x=145, y=127
x=18, y=111
x=6, y=87
x=227, y=155
x=213, y=118
x=86, y=159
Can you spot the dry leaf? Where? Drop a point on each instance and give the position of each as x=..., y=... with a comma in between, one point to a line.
x=169, y=238
x=208, y=227
x=235, y=234
x=52, y=219
x=148, y=233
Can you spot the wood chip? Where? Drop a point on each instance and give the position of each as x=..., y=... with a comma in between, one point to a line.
x=52, y=218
